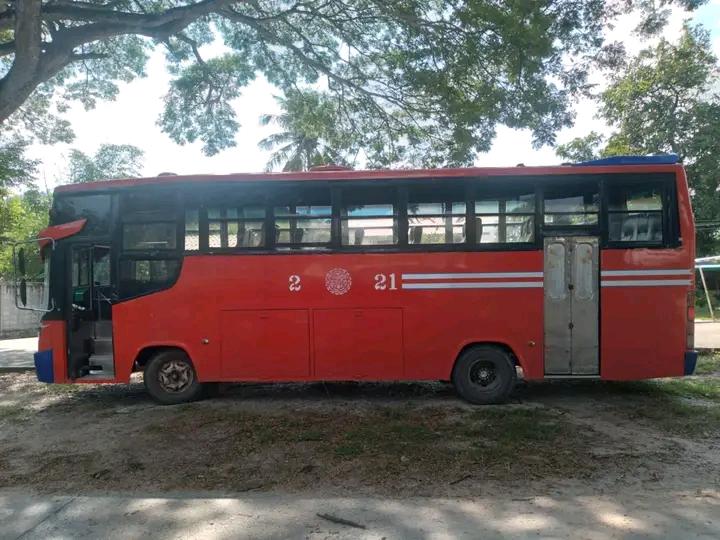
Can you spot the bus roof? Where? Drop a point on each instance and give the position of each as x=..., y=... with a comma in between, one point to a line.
x=619, y=164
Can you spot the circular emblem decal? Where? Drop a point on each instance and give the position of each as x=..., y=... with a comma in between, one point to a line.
x=338, y=281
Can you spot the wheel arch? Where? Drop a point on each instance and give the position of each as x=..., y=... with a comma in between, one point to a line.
x=517, y=360
x=146, y=353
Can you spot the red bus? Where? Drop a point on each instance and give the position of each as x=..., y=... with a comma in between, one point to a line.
x=470, y=275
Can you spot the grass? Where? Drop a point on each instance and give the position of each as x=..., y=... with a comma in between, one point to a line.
x=13, y=413
x=703, y=313
x=688, y=406
x=386, y=442
x=708, y=363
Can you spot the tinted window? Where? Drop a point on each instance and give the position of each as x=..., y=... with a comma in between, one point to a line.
x=368, y=217
x=505, y=218
x=635, y=212
x=436, y=215
x=303, y=223
x=572, y=205
x=240, y=226
x=148, y=236
x=95, y=208
x=149, y=221
x=192, y=230
x=141, y=276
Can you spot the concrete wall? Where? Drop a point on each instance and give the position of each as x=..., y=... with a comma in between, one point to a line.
x=19, y=322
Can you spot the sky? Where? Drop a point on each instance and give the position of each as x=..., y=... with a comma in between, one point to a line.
x=131, y=119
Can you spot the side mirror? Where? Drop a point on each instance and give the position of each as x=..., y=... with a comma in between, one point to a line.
x=23, y=292
x=21, y=261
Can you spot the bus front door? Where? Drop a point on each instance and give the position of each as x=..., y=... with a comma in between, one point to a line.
x=571, y=306
x=90, y=351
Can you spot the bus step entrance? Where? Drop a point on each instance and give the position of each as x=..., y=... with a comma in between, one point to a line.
x=101, y=366
x=100, y=363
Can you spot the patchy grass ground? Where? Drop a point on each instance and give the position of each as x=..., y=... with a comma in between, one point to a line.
x=396, y=439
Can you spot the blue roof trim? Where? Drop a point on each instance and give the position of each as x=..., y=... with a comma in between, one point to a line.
x=665, y=159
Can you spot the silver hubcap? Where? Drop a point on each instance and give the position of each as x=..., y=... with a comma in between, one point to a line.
x=175, y=376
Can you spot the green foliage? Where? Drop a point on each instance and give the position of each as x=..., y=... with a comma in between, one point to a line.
x=658, y=100
x=581, y=148
x=417, y=82
x=198, y=103
x=308, y=135
x=16, y=169
x=109, y=161
x=666, y=100
x=22, y=216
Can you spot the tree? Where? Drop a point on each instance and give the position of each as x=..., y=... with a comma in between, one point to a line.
x=109, y=161
x=419, y=81
x=307, y=137
x=22, y=215
x=581, y=148
x=16, y=169
x=667, y=100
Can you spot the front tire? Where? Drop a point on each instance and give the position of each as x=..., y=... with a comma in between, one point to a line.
x=484, y=374
x=170, y=378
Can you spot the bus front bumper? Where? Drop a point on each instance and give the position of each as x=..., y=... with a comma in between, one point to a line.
x=690, y=362
x=44, y=366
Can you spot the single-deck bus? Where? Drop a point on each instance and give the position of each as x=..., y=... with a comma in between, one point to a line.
x=469, y=275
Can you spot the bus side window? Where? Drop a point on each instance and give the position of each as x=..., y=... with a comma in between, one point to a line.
x=192, y=230
x=141, y=276
x=436, y=215
x=149, y=221
x=369, y=217
x=635, y=212
x=508, y=218
x=237, y=227
x=569, y=205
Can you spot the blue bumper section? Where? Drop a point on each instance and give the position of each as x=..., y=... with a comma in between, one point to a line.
x=44, y=366
x=690, y=361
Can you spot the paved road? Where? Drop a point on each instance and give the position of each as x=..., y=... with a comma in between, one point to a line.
x=649, y=514
x=707, y=335
x=17, y=353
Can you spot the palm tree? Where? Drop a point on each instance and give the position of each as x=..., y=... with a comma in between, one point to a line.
x=306, y=124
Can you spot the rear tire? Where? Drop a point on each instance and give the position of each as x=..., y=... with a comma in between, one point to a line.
x=484, y=374
x=170, y=378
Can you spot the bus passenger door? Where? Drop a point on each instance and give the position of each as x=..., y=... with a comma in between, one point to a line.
x=571, y=306
x=90, y=351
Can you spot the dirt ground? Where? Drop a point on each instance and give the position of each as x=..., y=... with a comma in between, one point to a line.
x=364, y=439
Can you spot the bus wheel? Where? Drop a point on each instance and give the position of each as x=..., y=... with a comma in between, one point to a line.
x=484, y=374
x=170, y=378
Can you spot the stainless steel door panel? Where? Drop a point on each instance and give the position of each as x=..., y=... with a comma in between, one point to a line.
x=558, y=343
x=571, y=280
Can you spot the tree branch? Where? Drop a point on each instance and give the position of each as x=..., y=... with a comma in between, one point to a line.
x=37, y=61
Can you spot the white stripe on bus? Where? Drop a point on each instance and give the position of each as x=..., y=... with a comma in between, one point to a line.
x=476, y=285
x=645, y=272
x=484, y=275
x=645, y=283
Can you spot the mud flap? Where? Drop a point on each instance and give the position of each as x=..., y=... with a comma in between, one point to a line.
x=44, y=366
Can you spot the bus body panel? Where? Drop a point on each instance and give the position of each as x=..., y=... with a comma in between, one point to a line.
x=400, y=333
x=53, y=338
x=637, y=338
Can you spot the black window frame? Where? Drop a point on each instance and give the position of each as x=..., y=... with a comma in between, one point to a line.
x=590, y=227
x=669, y=211
x=489, y=191
x=225, y=221
x=446, y=193
x=176, y=215
x=474, y=188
